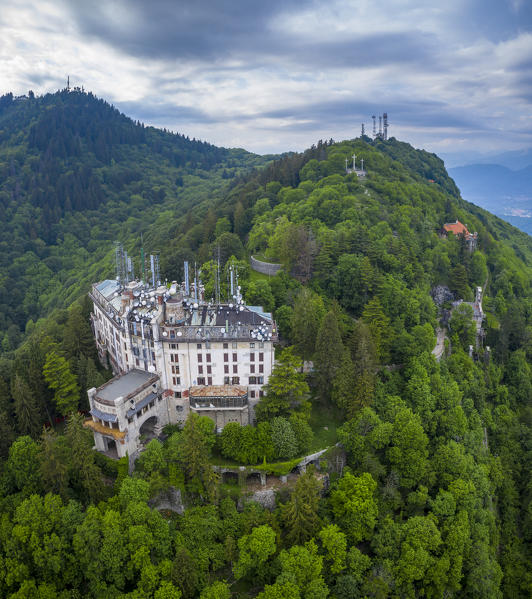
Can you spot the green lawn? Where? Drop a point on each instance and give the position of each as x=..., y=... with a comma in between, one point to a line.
x=324, y=421
x=258, y=276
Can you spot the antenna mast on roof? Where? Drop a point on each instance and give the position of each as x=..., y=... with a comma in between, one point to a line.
x=187, y=285
x=119, y=263
x=142, y=263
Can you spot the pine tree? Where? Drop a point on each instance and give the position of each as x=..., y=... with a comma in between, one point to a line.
x=84, y=474
x=364, y=358
x=343, y=387
x=329, y=352
x=194, y=453
x=78, y=339
x=26, y=409
x=300, y=514
x=58, y=376
x=54, y=463
x=379, y=326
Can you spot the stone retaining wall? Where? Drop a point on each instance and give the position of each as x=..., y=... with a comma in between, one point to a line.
x=266, y=268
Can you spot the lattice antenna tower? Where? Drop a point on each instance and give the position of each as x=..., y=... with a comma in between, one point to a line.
x=374, y=127
x=385, y=124
x=154, y=267
x=119, y=263
x=362, y=131
x=187, y=283
x=380, y=126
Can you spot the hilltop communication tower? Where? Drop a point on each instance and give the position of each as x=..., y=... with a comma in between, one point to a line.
x=374, y=127
x=385, y=123
x=362, y=131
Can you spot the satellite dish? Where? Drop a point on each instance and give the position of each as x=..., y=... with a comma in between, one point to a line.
x=241, y=308
x=230, y=305
x=179, y=333
x=165, y=334
x=144, y=302
x=196, y=305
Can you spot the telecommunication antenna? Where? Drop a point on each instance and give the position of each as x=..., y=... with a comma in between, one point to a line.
x=119, y=263
x=362, y=131
x=187, y=285
x=154, y=264
x=142, y=261
x=380, y=126
x=195, y=283
x=374, y=127
x=354, y=161
x=68, y=83
x=385, y=122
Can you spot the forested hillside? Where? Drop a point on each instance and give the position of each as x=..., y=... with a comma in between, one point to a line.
x=435, y=498
x=75, y=174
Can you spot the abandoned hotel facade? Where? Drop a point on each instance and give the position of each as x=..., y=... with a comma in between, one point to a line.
x=173, y=352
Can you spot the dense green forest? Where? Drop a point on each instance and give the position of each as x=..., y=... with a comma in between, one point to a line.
x=435, y=499
x=75, y=175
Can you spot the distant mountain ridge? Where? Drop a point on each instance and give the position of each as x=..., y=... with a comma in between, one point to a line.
x=76, y=174
x=505, y=192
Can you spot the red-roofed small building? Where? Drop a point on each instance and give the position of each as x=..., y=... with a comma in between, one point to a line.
x=457, y=228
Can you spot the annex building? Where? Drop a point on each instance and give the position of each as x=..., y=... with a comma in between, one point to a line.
x=173, y=352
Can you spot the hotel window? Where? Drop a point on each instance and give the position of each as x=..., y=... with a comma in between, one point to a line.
x=235, y=368
x=209, y=380
x=200, y=369
x=177, y=394
x=198, y=345
x=127, y=359
x=235, y=345
x=261, y=356
x=235, y=380
x=226, y=368
x=235, y=357
x=200, y=358
x=252, y=357
x=261, y=393
x=226, y=357
x=251, y=345
x=261, y=344
x=209, y=369
x=226, y=345
x=253, y=380
x=208, y=357
x=226, y=380
x=201, y=380
x=174, y=346
x=175, y=369
x=137, y=361
x=252, y=393
x=261, y=367
x=252, y=368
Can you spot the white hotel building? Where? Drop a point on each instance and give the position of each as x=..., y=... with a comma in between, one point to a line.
x=173, y=353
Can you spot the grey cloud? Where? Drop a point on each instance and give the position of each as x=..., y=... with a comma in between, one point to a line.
x=216, y=32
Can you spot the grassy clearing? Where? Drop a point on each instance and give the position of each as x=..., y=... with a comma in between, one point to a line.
x=258, y=276
x=324, y=421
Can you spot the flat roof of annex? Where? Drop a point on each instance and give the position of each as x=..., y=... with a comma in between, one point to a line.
x=126, y=385
x=218, y=391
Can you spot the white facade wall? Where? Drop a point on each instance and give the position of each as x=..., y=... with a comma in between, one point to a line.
x=182, y=364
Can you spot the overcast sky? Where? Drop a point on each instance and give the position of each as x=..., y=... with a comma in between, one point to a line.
x=278, y=75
